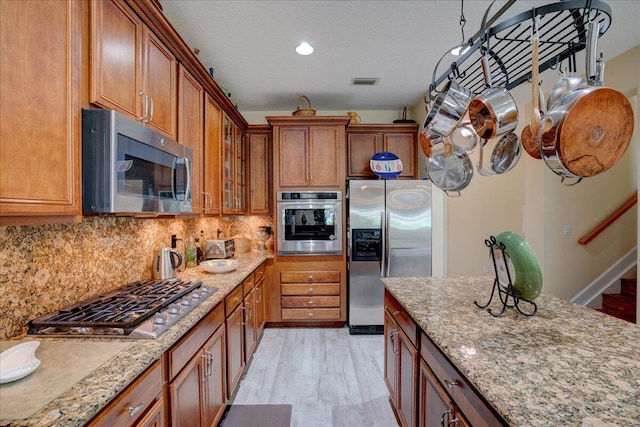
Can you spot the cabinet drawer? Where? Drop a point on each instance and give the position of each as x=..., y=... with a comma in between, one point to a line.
x=247, y=284
x=471, y=404
x=405, y=321
x=233, y=300
x=134, y=401
x=311, y=289
x=309, y=276
x=311, y=314
x=180, y=354
x=301, y=302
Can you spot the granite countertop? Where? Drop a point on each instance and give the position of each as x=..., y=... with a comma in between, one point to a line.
x=565, y=366
x=84, y=397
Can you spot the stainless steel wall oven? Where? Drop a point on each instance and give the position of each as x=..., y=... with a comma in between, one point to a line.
x=309, y=222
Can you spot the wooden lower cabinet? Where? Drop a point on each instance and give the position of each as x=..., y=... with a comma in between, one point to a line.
x=434, y=405
x=137, y=404
x=400, y=373
x=235, y=339
x=311, y=295
x=425, y=388
x=155, y=417
x=197, y=389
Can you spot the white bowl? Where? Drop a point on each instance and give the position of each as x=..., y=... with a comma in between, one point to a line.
x=219, y=265
x=18, y=361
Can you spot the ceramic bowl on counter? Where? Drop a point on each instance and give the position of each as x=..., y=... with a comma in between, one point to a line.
x=219, y=265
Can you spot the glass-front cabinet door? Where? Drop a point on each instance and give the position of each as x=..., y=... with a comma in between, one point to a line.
x=234, y=169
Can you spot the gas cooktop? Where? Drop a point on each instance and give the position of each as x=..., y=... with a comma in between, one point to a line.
x=137, y=310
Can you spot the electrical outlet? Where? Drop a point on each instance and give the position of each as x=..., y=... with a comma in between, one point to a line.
x=566, y=230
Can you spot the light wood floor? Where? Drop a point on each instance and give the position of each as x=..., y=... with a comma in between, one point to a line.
x=331, y=378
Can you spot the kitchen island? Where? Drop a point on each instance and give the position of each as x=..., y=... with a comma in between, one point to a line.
x=84, y=395
x=565, y=366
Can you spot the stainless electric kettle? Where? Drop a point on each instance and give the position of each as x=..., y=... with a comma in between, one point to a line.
x=166, y=263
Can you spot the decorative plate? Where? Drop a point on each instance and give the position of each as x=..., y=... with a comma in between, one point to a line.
x=386, y=165
x=18, y=361
x=522, y=264
x=219, y=266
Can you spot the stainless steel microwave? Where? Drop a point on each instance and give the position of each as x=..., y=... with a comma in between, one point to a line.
x=128, y=168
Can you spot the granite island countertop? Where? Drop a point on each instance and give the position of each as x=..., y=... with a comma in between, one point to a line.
x=86, y=396
x=565, y=366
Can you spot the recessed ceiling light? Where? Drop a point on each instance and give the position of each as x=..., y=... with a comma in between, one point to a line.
x=304, y=48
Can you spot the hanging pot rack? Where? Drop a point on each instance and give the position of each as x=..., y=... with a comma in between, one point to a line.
x=562, y=32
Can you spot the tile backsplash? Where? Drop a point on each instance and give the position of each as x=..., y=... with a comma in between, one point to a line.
x=45, y=268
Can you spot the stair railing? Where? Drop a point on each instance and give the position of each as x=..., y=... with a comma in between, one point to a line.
x=609, y=220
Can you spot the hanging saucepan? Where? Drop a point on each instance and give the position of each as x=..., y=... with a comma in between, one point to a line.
x=567, y=83
x=464, y=137
x=494, y=112
x=589, y=129
x=505, y=154
x=432, y=143
x=450, y=173
x=449, y=106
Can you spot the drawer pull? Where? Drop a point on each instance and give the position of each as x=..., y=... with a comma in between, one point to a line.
x=452, y=383
x=133, y=411
x=310, y=314
x=310, y=302
x=445, y=414
x=310, y=289
x=310, y=278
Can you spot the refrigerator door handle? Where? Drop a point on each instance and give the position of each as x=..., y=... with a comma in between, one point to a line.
x=387, y=244
x=383, y=250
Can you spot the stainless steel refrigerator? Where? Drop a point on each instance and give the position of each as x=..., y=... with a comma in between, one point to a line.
x=389, y=235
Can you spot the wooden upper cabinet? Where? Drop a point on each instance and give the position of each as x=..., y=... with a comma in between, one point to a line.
x=212, y=156
x=260, y=187
x=309, y=151
x=131, y=70
x=363, y=141
x=40, y=112
x=233, y=167
x=159, y=84
x=190, y=131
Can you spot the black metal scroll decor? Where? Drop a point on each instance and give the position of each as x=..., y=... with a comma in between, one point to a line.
x=507, y=293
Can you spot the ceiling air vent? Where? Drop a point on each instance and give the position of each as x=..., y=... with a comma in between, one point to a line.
x=364, y=81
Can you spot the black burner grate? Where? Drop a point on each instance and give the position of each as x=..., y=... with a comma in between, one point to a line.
x=123, y=308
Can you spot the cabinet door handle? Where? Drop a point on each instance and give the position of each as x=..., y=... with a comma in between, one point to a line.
x=151, y=114
x=145, y=108
x=392, y=337
x=244, y=320
x=451, y=383
x=135, y=410
x=259, y=298
x=205, y=371
x=453, y=422
x=445, y=414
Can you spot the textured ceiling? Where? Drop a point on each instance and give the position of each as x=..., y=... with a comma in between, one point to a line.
x=250, y=45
